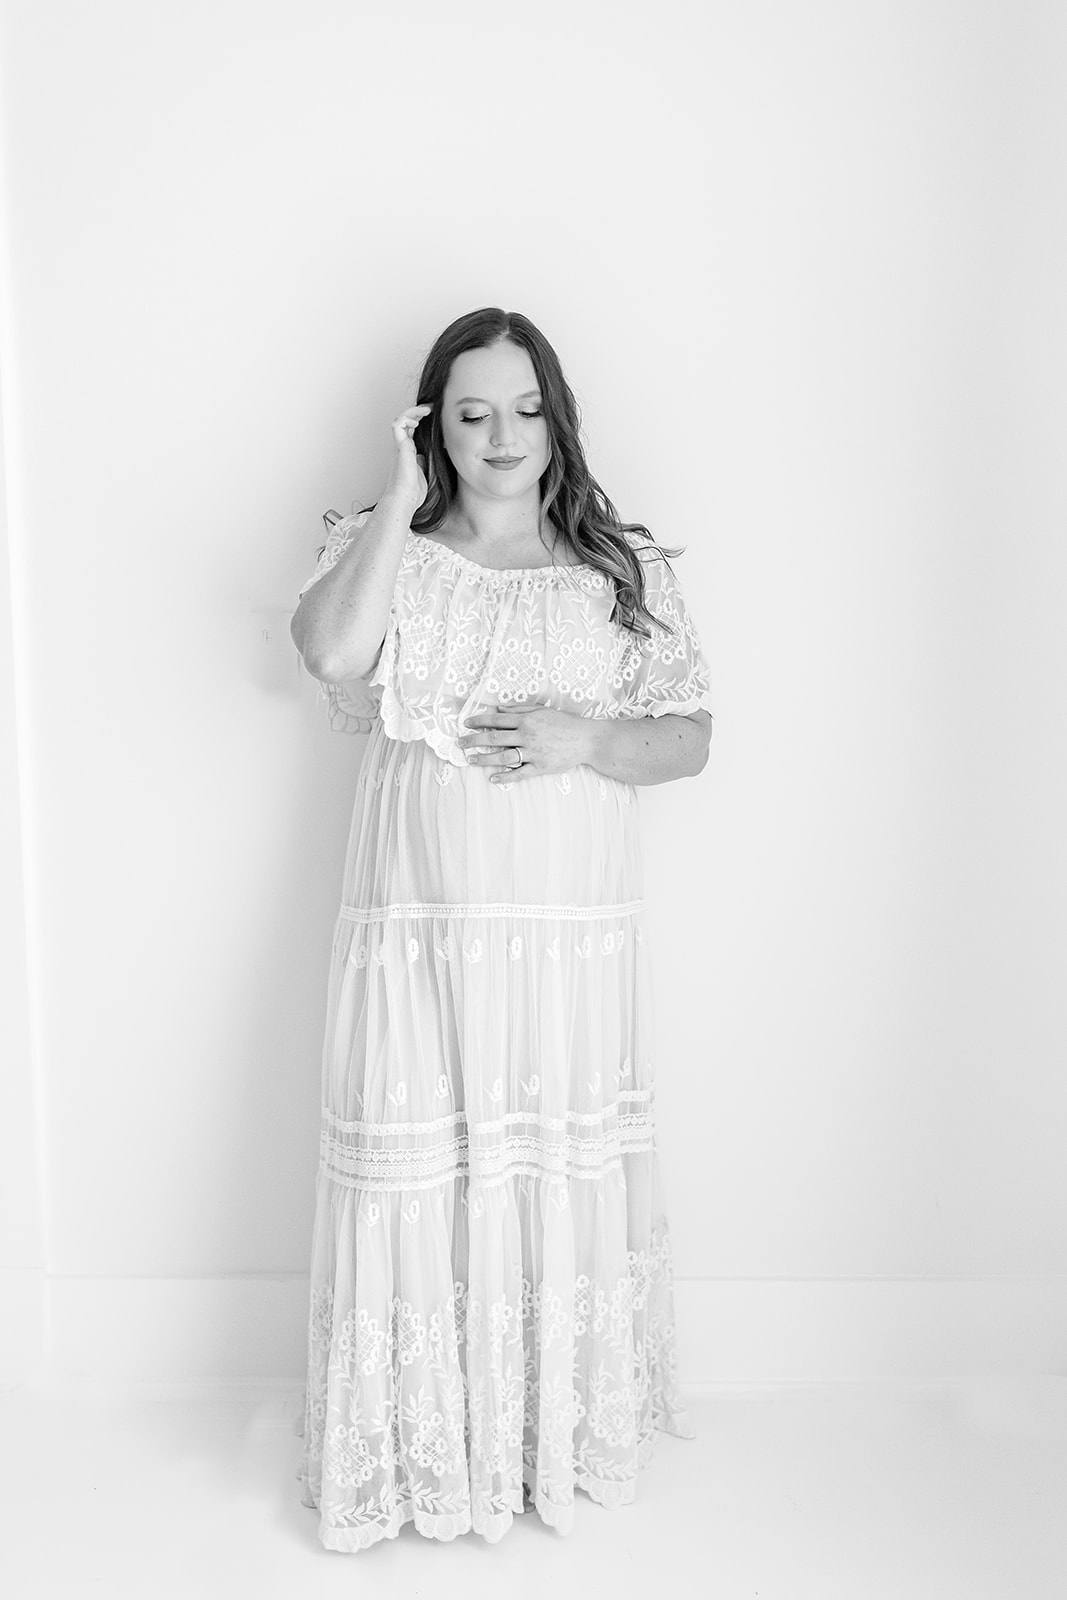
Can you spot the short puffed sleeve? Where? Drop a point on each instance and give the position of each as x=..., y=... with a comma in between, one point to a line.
x=667, y=673
x=353, y=704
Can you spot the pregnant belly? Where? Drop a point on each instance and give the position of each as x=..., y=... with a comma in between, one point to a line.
x=427, y=831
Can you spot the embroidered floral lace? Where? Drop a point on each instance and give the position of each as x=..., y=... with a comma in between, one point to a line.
x=491, y=1303
x=460, y=635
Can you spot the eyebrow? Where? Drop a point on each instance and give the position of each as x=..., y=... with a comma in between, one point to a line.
x=476, y=399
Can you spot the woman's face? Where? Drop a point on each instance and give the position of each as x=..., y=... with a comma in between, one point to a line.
x=491, y=408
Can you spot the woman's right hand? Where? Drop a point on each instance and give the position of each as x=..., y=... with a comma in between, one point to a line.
x=407, y=480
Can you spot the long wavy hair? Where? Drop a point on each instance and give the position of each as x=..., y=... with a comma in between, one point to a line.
x=570, y=496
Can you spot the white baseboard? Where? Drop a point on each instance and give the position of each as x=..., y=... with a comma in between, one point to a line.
x=820, y=1330
x=731, y=1332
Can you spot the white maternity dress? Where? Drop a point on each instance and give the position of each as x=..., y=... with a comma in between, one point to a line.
x=491, y=1296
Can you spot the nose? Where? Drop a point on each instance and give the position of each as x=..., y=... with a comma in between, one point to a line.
x=503, y=436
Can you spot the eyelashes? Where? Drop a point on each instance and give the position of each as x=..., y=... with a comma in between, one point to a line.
x=485, y=419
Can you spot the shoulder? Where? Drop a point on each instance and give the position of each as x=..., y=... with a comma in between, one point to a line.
x=656, y=571
x=645, y=545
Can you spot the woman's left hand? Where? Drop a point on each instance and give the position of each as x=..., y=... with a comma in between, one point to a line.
x=550, y=740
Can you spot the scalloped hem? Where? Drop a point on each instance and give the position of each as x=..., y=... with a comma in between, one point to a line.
x=675, y=708
x=338, y=715
x=442, y=1528
x=492, y=1528
x=398, y=725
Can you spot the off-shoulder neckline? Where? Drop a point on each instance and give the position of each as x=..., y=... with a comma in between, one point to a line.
x=422, y=540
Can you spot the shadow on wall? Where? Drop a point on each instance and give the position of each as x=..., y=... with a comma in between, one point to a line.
x=266, y=1188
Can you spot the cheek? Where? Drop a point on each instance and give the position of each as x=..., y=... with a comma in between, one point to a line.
x=452, y=440
x=461, y=441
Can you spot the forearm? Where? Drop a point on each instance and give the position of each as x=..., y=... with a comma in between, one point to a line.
x=647, y=749
x=340, y=622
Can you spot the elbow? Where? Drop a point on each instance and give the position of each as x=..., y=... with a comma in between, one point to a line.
x=298, y=634
x=331, y=668
x=317, y=662
x=328, y=669
x=322, y=656
x=326, y=664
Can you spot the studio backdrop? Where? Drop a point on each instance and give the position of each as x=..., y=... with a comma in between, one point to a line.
x=801, y=268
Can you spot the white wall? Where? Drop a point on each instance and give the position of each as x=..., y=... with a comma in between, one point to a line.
x=22, y=1243
x=802, y=269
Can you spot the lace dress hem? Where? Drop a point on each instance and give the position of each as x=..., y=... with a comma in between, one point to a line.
x=494, y=1525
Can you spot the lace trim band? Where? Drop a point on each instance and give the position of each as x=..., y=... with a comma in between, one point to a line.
x=427, y=549
x=429, y=908
x=390, y=1156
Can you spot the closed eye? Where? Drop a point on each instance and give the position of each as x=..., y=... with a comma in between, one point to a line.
x=485, y=419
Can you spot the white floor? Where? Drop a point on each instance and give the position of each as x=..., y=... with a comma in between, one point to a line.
x=850, y=1492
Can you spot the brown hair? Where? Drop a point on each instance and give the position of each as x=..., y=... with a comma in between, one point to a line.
x=590, y=524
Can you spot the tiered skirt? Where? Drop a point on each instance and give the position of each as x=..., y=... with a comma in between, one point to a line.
x=491, y=1292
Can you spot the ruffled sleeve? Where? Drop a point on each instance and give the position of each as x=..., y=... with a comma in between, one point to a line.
x=667, y=673
x=352, y=705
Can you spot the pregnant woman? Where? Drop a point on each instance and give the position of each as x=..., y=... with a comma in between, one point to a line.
x=491, y=1309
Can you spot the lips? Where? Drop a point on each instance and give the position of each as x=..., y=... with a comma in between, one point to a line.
x=503, y=463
